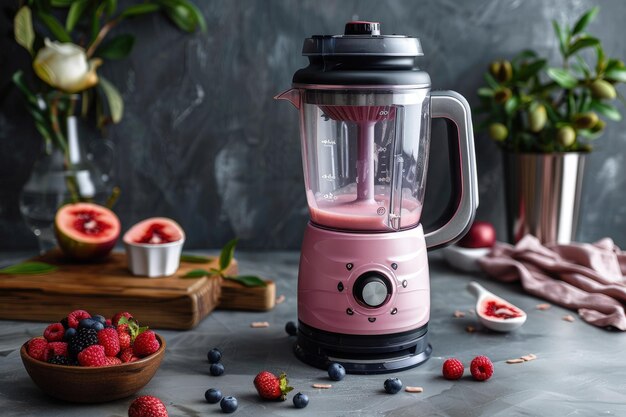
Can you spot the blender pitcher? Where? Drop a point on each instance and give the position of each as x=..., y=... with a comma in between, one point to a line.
x=365, y=116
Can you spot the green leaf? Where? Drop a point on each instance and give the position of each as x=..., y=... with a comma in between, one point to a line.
x=581, y=43
x=528, y=71
x=616, y=74
x=606, y=110
x=184, y=14
x=582, y=66
x=29, y=268
x=562, y=36
x=584, y=20
x=23, y=28
x=512, y=105
x=562, y=77
x=114, y=98
x=228, y=251
x=195, y=259
x=485, y=92
x=248, y=280
x=61, y=3
x=491, y=82
x=525, y=54
x=197, y=273
x=116, y=48
x=76, y=11
x=111, y=6
x=18, y=79
x=139, y=9
x=56, y=28
x=197, y=14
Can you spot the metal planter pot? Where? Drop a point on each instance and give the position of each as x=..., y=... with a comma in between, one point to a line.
x=543, y=195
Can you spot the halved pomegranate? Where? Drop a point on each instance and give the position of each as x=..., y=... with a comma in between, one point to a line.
x=154, y=231
x=86, y=230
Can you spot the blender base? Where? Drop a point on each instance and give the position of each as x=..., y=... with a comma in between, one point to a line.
x=360, y=354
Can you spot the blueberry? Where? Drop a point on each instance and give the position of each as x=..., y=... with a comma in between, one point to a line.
x=99, y=319
x=228, y=404
x=291, y=328
x=69, y=334
x=393, y=385
x=214, y=355
x=90, y=323
x=216, y=369
x=336, y=372
x=213, y=395
x=300, y=400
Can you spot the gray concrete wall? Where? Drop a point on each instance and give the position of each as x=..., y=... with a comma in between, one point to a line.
x=203, y=142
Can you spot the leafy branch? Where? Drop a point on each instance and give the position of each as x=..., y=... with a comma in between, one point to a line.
x=225, y=259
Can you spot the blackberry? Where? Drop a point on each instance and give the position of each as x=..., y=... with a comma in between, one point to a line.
x=63, y=321
x=84, y=338
x=59, y=360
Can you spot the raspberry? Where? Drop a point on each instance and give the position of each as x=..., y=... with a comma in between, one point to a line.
x=84, y=338
x=110, y=340
x=452, y=369
x=54, y=332
x=92, y=356
x=116, y=318
x=124, y=336
x=147, y=406
x=37, y=348
x=481, y=368
x=56, y=349
x=76, y=316
x=146, y=344
x=126, y=355
x=112, y=360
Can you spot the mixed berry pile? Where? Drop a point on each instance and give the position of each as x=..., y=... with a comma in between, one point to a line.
x=82, y=339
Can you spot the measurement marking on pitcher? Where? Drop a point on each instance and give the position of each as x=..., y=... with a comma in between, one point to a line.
x=328, y=142
x=328, y=177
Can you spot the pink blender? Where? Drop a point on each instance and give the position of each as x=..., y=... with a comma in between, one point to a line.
x=365, y=116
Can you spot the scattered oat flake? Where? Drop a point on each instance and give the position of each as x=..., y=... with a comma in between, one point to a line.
x=322, y=386
x=458, y=314
x=280, y=299
x=569, y=318
x=259, y=324
x=414, y=389
x=529, y=357
x=543, y=306
x=470, y=329
x=516, y=360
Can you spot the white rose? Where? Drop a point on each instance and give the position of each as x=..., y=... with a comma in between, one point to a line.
x=65, y=66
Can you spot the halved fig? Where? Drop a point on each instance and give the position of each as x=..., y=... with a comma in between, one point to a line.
x=154, y=231
x=86, y=230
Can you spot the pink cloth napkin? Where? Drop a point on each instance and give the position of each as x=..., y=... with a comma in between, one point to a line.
x=588, y=277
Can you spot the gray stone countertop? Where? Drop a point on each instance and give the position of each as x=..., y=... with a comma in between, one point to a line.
x=579, y=368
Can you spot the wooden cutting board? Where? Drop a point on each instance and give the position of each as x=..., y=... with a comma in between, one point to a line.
x=107, y=287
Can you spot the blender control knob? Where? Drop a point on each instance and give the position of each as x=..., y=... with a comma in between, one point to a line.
x=362, y=28
x=372, y=289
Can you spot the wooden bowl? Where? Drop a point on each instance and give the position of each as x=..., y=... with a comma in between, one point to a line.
x=83, y=384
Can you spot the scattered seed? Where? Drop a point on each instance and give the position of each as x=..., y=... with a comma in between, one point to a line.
x=459, y=314
x=322, y=386
x=544, y=306
x=569, y=318
x=470, y=329
x=529, y=357
x=259, y=324
x=516, y=360
x=414, y=389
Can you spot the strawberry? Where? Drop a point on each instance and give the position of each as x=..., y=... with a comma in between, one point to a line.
x=147, y=406
x=75, y=317
x=56, y=349
x=116, y=318
x=272, y=387
x=37, y=348
x=110, y=340
x=112, y=360
x=146, y=344
x=123, y=335
x=54, y=332
x=92, y=356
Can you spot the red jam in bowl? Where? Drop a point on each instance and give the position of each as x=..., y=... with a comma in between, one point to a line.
x=498, y=310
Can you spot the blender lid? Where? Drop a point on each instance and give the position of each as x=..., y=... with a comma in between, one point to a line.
x=361, y=58
x=362, y=38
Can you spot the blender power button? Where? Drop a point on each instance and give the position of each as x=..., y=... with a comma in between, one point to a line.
x=372, y=289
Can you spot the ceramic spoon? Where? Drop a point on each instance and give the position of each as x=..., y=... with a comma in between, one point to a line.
x=494, y=312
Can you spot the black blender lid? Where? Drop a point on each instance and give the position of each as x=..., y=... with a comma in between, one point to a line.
x=362, y=38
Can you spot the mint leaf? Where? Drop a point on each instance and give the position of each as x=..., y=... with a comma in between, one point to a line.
x=197, y=273
x=248, y=281
x=195, y=259
x=228, y=251
x=29, y=268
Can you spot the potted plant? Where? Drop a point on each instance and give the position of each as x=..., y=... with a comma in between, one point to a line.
x=545, y=119
x=69, y=41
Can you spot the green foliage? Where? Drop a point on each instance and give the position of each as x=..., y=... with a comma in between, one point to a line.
x=28, y=268
x=533, y=107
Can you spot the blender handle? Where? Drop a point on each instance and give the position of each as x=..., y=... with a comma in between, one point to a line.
x=457, y=219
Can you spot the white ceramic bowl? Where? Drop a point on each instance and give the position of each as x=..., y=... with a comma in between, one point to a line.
x=464, y=259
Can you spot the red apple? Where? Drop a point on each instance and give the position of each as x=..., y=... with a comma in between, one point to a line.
x=480, y=235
